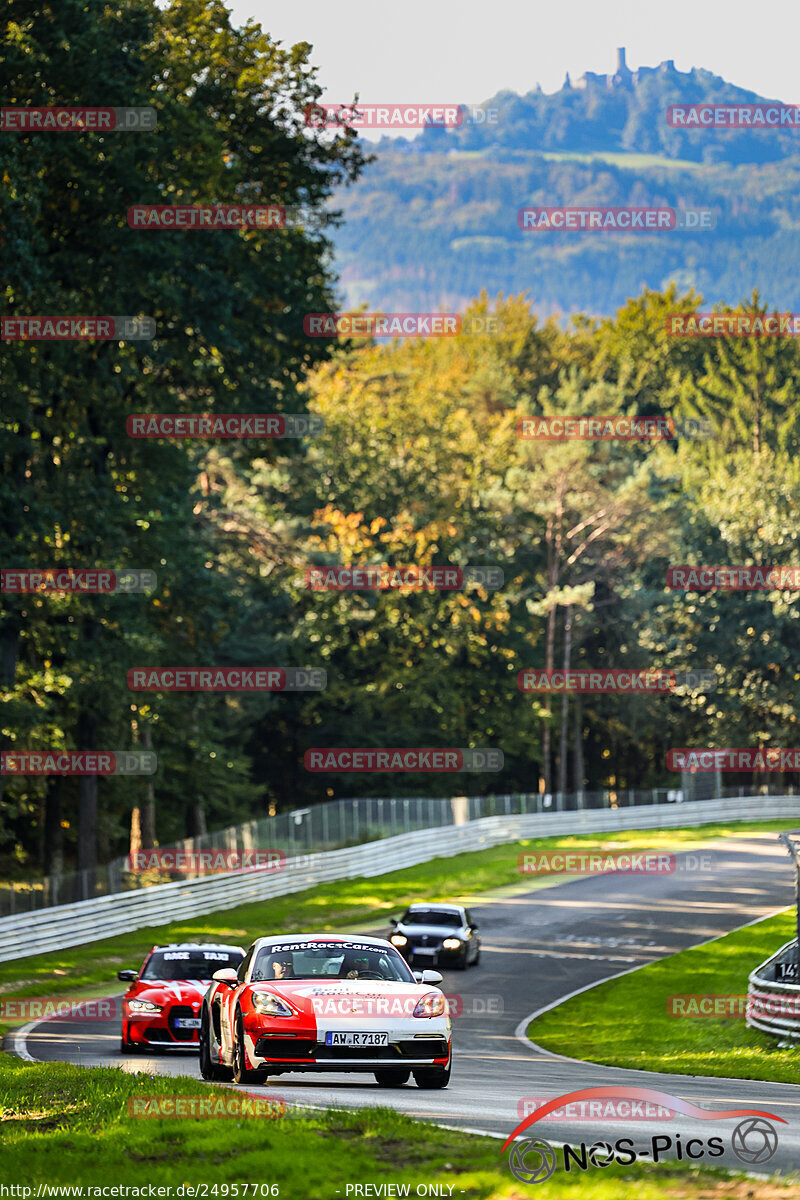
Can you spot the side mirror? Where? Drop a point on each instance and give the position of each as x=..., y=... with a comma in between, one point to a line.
x=474, y=926
x=431, y=977
x=393, y=921
x=226, y=975
x=127, y=976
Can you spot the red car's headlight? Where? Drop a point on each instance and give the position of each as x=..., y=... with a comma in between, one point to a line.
x=431, y=1005
x=143, y=1006
x=270, y=1005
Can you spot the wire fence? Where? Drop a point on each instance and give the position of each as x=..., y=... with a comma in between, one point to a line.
x=333, y=825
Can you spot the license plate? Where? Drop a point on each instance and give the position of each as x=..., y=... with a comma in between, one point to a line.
x=187, y=1022
x=424, y=950
x=335, y=1038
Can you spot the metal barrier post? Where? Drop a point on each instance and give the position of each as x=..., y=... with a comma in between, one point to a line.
x=794, y=852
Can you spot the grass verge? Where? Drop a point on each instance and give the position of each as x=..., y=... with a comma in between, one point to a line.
x=626, y=1023
x=69, y=1125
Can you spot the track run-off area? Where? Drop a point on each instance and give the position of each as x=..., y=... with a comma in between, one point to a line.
x=538, y=947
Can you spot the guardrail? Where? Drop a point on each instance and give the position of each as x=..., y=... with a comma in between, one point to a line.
x=332, y=825
x=773, y=1006
x=104, y=916
x=336, y=824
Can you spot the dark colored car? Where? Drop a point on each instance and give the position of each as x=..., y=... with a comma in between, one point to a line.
x=441, y=935
x=162, y=1005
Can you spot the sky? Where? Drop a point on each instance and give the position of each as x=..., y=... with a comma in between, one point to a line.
x=431, y=52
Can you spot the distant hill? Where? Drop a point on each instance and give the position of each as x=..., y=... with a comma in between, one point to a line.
x=433, y=220
x=624, y=112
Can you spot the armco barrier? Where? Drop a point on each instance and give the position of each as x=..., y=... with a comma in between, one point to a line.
x=91, y=920
x=774, y=1007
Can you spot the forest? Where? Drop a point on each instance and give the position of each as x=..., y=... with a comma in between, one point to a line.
x=415, y=461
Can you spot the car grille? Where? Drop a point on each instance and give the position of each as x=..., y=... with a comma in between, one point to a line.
x=356, y=1052
x=274, y=1047
x=302, y=1048
x=426, y=941
x=181, y=1035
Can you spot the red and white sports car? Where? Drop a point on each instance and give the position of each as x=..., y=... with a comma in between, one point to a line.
x=162, y=1005
x=308, y=1002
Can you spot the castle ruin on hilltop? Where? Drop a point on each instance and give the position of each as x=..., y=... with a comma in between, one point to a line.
x=623, y=76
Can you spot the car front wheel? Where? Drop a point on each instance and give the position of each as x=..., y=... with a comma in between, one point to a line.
x=434, y=1077
x=241, y=1072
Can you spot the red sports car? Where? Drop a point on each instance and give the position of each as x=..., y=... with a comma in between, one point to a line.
x=162, y=1005
x=321, y=1002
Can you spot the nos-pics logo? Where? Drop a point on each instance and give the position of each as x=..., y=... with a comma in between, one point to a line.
x=533, y=1160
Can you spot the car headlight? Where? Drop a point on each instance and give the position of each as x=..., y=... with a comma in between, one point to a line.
x=270, y=1005
x=451, y=944
x=431, y=1005
x=143, y=1006
x=397, y=939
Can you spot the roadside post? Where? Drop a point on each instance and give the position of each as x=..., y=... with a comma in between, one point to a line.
x=793, y=848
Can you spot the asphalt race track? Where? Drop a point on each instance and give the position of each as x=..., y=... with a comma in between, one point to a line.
x=538, y=947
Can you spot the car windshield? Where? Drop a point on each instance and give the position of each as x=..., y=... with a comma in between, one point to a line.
x=189, y=964
x=332, y=960
x=432, y=916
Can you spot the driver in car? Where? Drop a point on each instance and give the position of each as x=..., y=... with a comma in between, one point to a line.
x=354, y=965
x=282, y=966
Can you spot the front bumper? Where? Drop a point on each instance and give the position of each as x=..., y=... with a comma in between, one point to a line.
x=162, y=1029
x=305, y=1052
x=429, y=956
